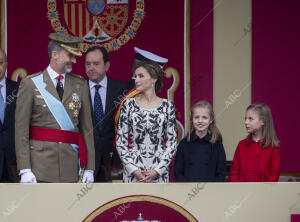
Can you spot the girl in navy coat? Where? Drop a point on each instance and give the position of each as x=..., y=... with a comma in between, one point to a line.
x=200, y=156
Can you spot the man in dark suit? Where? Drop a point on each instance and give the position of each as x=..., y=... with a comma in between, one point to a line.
x=105, y=95
x=8, y=95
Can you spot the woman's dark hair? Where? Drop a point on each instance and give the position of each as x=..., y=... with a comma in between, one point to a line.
x=154, y=70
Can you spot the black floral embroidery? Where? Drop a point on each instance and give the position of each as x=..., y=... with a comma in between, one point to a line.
x=146, y=139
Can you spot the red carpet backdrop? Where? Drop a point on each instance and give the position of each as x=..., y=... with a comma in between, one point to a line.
x=275, y=71
x=201, y=27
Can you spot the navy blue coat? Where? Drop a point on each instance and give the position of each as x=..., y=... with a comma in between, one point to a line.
x=198, y=160
x=105, y=152
x=7, y=132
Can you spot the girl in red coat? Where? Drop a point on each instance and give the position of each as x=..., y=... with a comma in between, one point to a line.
x=257, y=157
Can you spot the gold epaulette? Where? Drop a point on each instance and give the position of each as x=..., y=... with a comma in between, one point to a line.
x=76, y=75
x=32, y=75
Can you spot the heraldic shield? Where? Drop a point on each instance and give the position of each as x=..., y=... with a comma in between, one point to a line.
x=96, y=20
x=95, y=7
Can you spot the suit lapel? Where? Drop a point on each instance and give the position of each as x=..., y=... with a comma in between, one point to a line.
x=109, y=95
x=49, y=85
x=92, y=108
x=10, y=98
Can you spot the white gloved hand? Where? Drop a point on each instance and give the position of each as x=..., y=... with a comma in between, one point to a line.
x=88, y=176
x=27, y=176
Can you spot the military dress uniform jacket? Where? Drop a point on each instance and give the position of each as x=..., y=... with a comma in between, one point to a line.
x=52, y=161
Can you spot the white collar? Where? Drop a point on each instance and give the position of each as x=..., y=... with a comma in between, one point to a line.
x=3, y=82
x=53, y=74
x=103, y=83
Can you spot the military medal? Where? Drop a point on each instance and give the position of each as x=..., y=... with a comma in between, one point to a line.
x=71, y=105
x=75, y=97
x=75, y=112
x=75, y=105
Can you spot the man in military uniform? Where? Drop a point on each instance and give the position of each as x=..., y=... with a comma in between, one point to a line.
x=53, y=119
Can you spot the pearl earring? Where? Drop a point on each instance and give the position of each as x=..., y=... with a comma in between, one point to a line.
x=152, y=84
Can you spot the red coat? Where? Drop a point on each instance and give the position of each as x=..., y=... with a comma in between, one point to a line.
x=253, y=163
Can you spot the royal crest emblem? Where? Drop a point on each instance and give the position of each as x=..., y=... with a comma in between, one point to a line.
x=95, y=7
x=127, y=209
x=140, y=218
x=97, y=21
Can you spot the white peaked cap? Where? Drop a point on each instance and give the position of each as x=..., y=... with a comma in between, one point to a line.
x=144, y=55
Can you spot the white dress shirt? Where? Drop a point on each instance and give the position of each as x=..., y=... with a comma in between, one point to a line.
x=53, y=76
x=3, y=88
x=102, y=91
x=3, y=92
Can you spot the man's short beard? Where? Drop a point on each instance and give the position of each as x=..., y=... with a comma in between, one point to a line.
x=67, y=69
x=63, y=66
